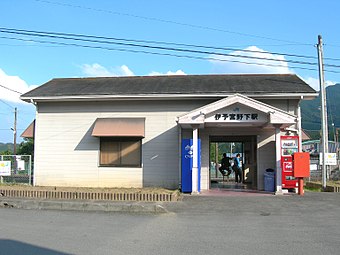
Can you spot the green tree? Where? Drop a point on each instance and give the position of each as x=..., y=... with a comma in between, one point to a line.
x=26, y=147
x=7, y=152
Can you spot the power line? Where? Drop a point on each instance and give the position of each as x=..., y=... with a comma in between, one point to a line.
x=153, y=47
x=53, y=35
x=42, y=33
x=10, y=89
x=333, y=45
x=75, y=37
x=163, y=54
x=170, y=22
x=79, y=37
x=21, y=45
x=6, y=104
x=70, y=36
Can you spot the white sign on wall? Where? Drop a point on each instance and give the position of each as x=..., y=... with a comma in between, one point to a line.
x=237, y=114
x=21, y=165
x=330, y=159
x=313, y=167
x=5, y=168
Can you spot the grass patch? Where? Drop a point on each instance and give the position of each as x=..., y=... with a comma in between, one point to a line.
x=311, y=189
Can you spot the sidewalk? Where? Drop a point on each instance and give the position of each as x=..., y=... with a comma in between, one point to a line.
x=204, y=203
x=83, y=205
x=102, y=205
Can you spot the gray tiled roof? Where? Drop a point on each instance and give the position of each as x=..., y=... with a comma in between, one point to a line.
x=172, y=85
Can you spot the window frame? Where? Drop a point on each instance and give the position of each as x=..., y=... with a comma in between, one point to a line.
x=120, y=141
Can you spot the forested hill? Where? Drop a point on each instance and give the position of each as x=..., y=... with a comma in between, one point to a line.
x=310, y=110
x=6, y=147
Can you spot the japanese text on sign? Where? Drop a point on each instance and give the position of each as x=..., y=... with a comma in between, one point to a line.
x=5, y=168
x=236, y=116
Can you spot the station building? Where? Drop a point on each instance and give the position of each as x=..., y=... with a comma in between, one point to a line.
x=130, y=131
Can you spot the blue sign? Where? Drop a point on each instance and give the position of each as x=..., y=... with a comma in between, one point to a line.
x=187, y=163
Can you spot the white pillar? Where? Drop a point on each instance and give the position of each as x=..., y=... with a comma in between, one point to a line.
x=278, y=161
x=195, y=160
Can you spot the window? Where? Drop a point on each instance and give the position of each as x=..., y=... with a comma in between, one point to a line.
x=121, y=152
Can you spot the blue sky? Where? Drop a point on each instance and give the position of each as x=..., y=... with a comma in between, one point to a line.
x=287, y=27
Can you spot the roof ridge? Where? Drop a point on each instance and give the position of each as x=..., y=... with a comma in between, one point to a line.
x=172, y=76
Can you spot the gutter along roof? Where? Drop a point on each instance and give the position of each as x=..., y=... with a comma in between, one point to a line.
x=181, y=86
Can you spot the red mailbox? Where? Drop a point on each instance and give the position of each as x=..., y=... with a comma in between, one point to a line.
x=301, y=164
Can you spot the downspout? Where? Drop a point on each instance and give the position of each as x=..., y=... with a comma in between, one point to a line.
x=299, y=122
x=34, y=138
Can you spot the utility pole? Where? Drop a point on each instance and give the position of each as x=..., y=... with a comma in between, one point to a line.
x=15, y=132
x=216, y=159
x=324, y=125
x=14, y=129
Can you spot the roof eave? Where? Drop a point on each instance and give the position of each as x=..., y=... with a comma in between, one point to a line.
x=306, y=96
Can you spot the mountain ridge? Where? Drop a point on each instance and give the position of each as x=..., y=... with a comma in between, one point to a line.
x=311, y=115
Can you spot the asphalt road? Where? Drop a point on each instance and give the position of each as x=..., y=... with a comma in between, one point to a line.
x=197, y=225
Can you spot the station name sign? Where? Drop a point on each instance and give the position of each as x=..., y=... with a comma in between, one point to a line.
x=237, y=116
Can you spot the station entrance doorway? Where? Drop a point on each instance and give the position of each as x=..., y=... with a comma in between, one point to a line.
x=233, y=145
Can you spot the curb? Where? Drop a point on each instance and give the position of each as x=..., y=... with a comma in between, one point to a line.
x=91, y=206
x=84, y=196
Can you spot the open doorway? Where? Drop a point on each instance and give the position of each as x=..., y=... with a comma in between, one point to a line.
x=231, y=146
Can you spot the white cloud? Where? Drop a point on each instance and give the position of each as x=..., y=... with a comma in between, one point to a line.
x=279, y=65
x=96, y=70
x=12, y=87
x=178, y=72
x=315, y=84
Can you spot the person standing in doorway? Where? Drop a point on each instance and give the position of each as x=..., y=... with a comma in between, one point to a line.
x=238, y=168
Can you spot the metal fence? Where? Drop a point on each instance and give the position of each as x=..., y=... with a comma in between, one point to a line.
x=16, y=169
x=333, y=172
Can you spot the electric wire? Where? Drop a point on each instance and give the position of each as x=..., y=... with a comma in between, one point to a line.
x=165, y=54
x=10, y=89
x=156, y=47
x=173, y=55
x=66, y=36
x=2, y=101
x=170, y=22
x=154, y=42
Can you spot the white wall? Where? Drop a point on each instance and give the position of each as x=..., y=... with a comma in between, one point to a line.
x=287, y=105
x=266, y=155
x=67, y=155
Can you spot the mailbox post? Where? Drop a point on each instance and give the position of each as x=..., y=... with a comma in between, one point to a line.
x=301, y=161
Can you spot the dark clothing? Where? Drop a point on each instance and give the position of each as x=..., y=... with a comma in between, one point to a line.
x=225, y=166
x=238, y=170
x=225, y=163
x=238, y=175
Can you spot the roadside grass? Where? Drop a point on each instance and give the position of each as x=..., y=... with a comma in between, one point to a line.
x=310, y=189
x=316, y=186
